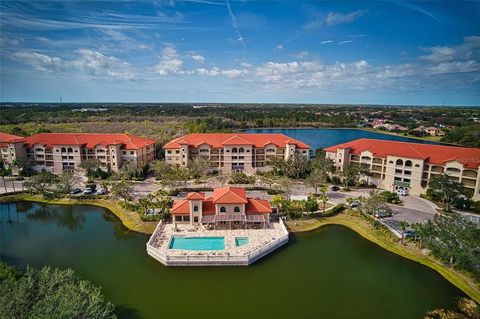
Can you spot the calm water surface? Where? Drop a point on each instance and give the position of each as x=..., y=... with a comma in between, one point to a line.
x=330, y=273
x=321, y=137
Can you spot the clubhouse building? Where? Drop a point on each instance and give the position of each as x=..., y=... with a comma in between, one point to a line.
x=235, y=152
x=403, y=165
x=228, y=207
x=56, y=152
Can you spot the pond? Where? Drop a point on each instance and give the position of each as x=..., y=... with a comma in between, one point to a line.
x=323, y=137
x=329, y=273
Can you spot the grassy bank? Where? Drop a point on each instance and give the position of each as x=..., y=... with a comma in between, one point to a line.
x=131, y=220
x=387, y=241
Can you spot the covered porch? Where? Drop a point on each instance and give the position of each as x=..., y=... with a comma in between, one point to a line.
x=234, y=221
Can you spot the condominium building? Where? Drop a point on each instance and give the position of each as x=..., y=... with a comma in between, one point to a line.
x=402, y=165
x=11, y=147
x=56, y=152
x=240, y=152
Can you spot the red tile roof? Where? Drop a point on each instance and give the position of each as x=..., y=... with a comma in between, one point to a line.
x=434, y=154
x=226, y=195
x=10, y=138
x=90, y=140
x=219, y=140
x=229, y=195
x=195, y=195
x=258, y=206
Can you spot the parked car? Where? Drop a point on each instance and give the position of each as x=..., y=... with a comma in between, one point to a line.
x=402, y=192
x=355, y=203
x=383, y=214
x=410, y=233
x=101, y=191
x=335, y=188
x=75, y=191
x=87, y=191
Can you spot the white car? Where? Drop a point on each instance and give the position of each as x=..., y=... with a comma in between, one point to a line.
x=402, y=192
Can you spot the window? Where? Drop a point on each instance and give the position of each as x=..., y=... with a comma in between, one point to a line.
x=76, y=151
x=399, y=162
x=417, y=165
x=241, y=150
x=70, y=150
x=236, y=209
x=64, y=149
x=169, y=152
x=223, y=209
x=178, y=218
x=391, y=162
x=408, y=163
x=234, y=150
x=195, y=219
x=195, y=208
x=132, y=152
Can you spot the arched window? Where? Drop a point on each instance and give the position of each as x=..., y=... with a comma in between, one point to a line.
x=408, y=163
x=195, y=208
x=236, y=209
x=64, y=149
x=241, y=150
x=223, y=209
x=70, y=150
x=399, y=162
x=234, y=150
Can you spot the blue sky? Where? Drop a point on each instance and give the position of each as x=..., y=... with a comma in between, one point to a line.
x=391, y=52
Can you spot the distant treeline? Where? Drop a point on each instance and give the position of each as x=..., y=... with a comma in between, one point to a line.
x=162, y=121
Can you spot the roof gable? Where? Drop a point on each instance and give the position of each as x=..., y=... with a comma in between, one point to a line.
x=229, y=195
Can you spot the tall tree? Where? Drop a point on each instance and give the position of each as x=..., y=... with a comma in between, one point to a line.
x=323, y=196
x=403, y=227
x=374, y=203
x=123, y=190
x=349, y=174
x=51, y=293
x=285, y=185
x=445, y=189
x=67, y=180
x=90, y=166
x=315, y=179
x=44, y=183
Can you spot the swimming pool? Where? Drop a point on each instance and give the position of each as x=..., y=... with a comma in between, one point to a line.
x=240, y=241
x=197, y=243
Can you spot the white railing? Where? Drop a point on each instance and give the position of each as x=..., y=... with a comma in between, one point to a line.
x=212, y=260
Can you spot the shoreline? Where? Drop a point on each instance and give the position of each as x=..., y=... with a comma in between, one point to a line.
x=130, y=220
x=357, y=224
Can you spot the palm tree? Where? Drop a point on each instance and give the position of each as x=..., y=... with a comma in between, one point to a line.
x=3, y=173
x=403, y=226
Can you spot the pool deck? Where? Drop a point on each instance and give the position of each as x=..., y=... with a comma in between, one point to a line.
x=261, y=242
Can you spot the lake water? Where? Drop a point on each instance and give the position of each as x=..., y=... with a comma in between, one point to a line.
x=322, y=137
x=329, y=273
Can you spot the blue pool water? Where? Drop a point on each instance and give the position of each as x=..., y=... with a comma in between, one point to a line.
x=197, y=243
x=240, y=241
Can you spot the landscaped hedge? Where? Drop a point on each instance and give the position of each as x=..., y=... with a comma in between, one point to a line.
x=332, y=212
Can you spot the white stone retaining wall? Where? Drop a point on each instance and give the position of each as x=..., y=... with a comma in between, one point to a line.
x=212, y=260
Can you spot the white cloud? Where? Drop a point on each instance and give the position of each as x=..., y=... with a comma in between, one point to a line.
x=41, y=62
x=198, y=58
x=455, y=67
x=345, y=42
x=97, y=64
x=339, y=18
x=278, y=47
x=326, y=41
x=469, y=49
x=170, y=62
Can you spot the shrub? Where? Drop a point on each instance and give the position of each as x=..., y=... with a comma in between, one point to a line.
x=241, y=178
x=273, y=191
x=334, y=211
x=391, y=197
x=336, y=180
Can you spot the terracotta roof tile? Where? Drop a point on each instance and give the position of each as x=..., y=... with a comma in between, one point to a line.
x=89, y=140
x=10, y=138
x=431, y=153
x=219, y=140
